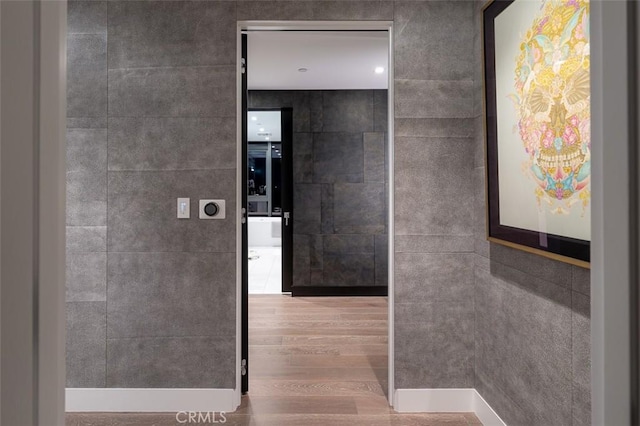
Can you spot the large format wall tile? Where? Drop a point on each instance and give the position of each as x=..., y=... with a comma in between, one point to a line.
x=581, y=280
x=86, y=344
x=171, y=294
x=171, y=143
x=349, y=269
x=434, y=99
x=87, y=150
x=86, y=277
x=533, y=265
x=322, y=10
x=434, y=244
x=326, y=209
x=303, y=158
x=338, y=157
x=523, y=344
x=86, y=239
x=343, y=244
x=382, y=260
x=306, y=208
x=86, y=17
x=581, y=358
x=424, y=46
x=171, y=33
x=173, y=92
x=374, y=157
x=87, y=75
x=435, y=127
x=301, y=260
x=347, y=111
x=142, y=211
x=86, y=177
x=433, y=277
x=176, y=362
x=380, y=111
x=433, y=186
x=359, y=208
x=435, y=348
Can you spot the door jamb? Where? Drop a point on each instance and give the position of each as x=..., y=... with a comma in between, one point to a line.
x=310, y=26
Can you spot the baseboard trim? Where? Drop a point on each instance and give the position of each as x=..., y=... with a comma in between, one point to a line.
x=149, y=400
x=310, y=291
x=446, y=401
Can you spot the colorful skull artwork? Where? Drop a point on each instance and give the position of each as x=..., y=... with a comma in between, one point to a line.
x=552, y=102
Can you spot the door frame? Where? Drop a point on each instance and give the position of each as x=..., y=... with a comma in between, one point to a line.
x=311, y=26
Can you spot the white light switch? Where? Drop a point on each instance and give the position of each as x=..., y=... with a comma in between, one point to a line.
x=184, y=210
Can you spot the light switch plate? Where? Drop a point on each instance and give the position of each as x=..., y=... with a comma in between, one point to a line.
x=184, y=208
x=221, y=213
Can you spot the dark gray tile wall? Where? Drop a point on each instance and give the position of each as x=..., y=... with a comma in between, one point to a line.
x=151, y=117
x=532, y=327
x=86, y=269
x=164, y=80
x=434, y=308
x=340, y=184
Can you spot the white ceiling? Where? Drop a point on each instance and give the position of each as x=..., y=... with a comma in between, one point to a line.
x=334, y=60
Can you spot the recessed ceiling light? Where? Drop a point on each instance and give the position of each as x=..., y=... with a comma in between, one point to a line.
x=266, y=138
x=254, y=118
x=302, y=70
x=379, y=70
x=262, y=129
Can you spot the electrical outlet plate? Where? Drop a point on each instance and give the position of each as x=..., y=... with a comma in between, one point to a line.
x=221, y=214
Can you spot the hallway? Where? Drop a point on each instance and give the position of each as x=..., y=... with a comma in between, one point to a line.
x=314, y=362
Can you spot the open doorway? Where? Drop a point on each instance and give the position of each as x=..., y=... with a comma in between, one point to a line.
x=269, y=194
x=336, y=84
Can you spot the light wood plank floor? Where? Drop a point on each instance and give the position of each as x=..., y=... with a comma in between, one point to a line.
x=313, y=362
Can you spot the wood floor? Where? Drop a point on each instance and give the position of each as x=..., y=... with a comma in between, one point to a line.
x=313, y=362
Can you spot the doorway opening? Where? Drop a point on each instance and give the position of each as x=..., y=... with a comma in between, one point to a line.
x=269, y=200
x=341, y=162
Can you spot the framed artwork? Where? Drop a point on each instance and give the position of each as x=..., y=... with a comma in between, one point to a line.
x=538, y=122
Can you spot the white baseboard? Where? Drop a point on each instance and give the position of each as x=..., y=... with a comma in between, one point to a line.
x=446, y=401
x=150, y=400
